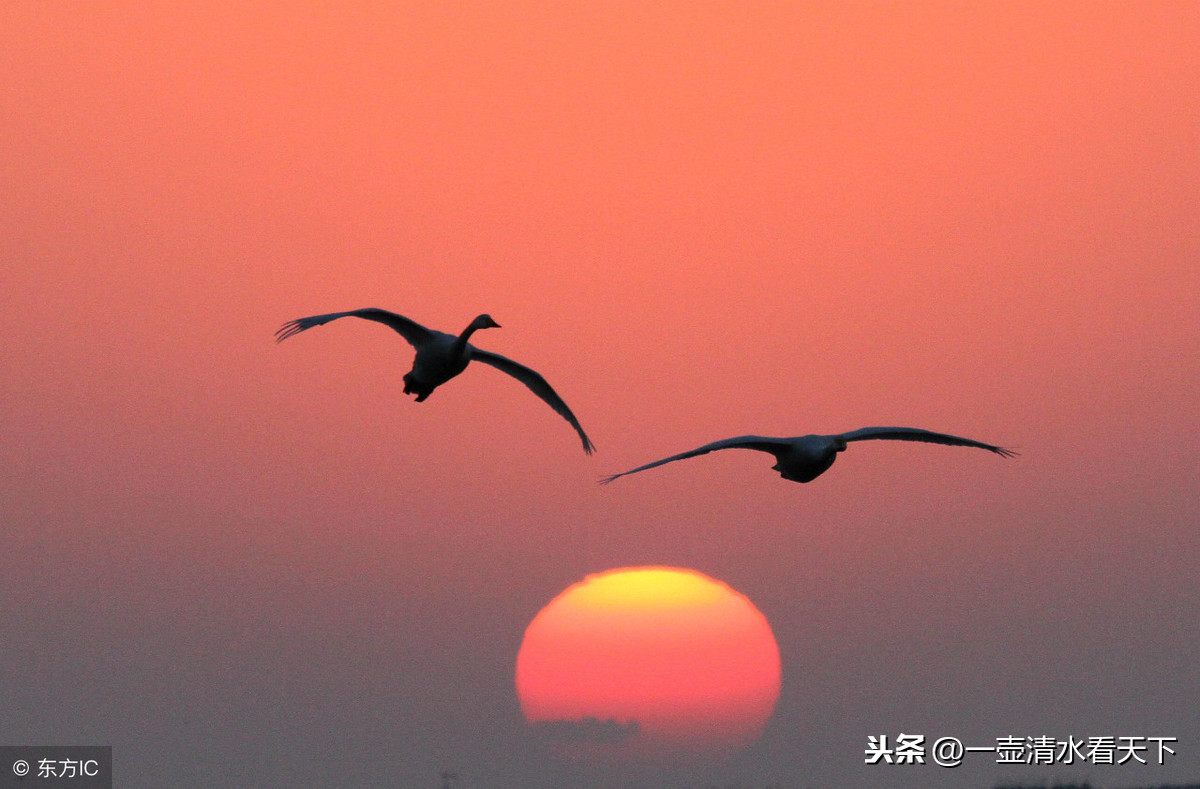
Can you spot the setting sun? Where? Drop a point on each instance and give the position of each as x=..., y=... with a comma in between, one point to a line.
x=649, y=661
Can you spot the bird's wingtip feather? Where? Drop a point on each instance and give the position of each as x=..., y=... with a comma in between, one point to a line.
x=287, y=330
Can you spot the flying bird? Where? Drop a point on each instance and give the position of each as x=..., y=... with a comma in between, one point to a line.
x=804, y=458
x=442, y=356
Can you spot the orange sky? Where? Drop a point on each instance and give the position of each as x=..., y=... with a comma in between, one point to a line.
x=697, y=221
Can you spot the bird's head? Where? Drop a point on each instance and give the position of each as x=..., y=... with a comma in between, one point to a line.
x=484, y=322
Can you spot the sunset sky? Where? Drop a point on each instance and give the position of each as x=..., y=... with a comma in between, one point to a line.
x=249, y=564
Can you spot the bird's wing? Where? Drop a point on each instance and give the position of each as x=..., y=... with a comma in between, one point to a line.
x=761, y=443
x=916, y=434
x=537, y=384
x=415, y=333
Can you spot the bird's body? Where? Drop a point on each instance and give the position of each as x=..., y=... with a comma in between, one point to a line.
x=804, y=458
x=440, y=357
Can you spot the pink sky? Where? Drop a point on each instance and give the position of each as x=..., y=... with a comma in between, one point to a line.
x=236, y=560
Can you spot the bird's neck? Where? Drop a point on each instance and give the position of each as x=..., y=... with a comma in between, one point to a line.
x=461, y=343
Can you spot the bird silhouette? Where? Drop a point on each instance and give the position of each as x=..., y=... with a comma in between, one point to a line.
x=442, y=356
x=804, y=458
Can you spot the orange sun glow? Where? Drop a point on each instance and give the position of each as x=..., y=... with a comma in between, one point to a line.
x=649, y=661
